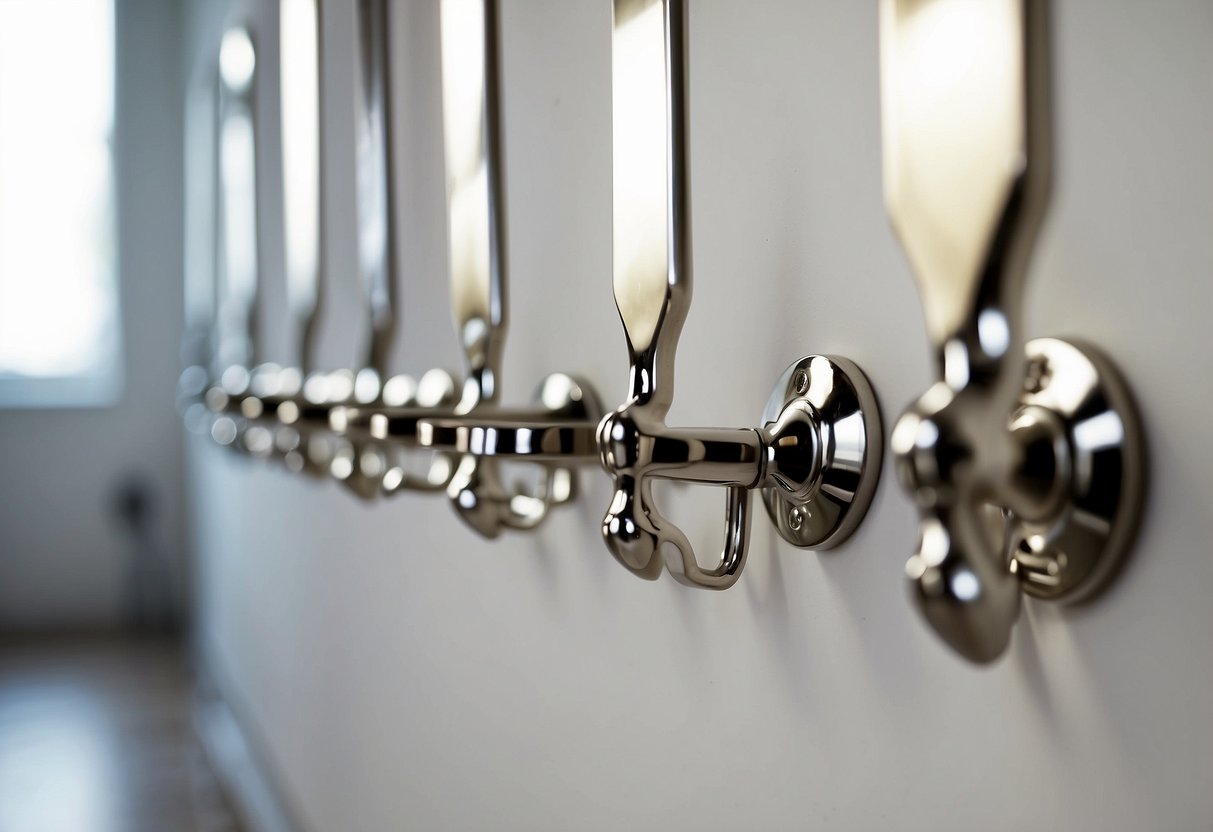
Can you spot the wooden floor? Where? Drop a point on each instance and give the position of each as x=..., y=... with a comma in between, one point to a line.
x=95, y=736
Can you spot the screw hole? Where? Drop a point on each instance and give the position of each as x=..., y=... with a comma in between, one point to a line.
x=800, y=381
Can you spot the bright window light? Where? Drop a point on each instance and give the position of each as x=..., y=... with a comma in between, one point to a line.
x=59, y=330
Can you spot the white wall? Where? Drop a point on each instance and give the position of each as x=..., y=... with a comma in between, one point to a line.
x=64, y=560
x=399, y=672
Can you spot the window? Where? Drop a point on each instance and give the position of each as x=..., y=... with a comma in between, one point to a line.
x=59, y=324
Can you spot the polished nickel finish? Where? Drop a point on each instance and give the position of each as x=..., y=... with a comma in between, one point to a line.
x=556, y=433
x=817, y=455
x=377, y=456
x=559, y=428
x=301, y=443
x=248, y=402
x=477, y=239
x=312, y=422
x=402, y=402
x=831, y=401
x=1050, y=440
x=475, y=190
x=376, y=185
x=236, y=243
x=302, y=140
x=244, y=400
x=370, y=467
x=237, y=261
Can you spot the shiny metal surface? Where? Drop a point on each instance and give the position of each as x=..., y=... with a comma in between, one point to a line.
x=376, y=183
x=401, y=399
x=369, y=466
x=1076, y=420
x=248, y=400
x=475, y=210
x=359, y=426
x=301, y=57
x=401, y=403
x=967, y=169
x=241, y=409
x=312, y=422
x=555, y=434
x=476, y=238
x=238, y=291
x=358, y=461
x=793, y=454
x=560, y=428
x=821, y=508
x=516, y=436
x=301, y=445
x=237, y=284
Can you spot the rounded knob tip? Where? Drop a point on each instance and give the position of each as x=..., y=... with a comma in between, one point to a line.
x=795, y=450
x=960, y=578
x=626, y=535
x=968, y=601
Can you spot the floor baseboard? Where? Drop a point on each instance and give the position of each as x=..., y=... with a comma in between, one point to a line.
x=231, y=755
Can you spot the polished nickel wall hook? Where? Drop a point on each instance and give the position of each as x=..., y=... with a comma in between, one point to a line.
x=288, y=412
x=276, y=394
x=816, y=456
x=1044, y=431
x=237, y=283
x=246, y=401
x=471, y=69
x=464, y=434
x=367, y=464
x=275, y=410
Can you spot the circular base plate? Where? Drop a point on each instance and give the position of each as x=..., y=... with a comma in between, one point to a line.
x=1071, y=554
x=850, y=445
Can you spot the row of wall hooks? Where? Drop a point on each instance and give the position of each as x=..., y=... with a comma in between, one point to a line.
x=1027, y=474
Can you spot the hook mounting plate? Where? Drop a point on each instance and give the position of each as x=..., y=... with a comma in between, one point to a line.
x=1070, y=553
x=849, y=448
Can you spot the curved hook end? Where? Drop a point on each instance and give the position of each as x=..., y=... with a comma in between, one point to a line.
x=635, y=531
x=629, y=535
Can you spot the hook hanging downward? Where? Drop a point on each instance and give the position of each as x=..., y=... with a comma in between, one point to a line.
x=1044, y=432
x=817, y=455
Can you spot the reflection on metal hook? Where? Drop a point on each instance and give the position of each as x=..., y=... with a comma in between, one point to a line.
x=817, y=479
x=967, y=169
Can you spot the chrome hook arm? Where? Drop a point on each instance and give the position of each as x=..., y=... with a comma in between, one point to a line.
x=817, y=454
x=557, y=433
x=967, y=170
x=390, y=423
